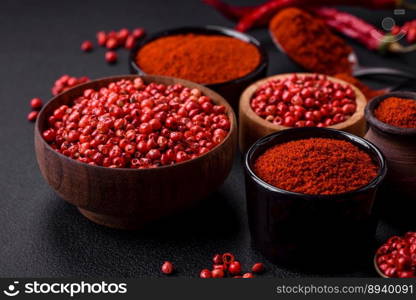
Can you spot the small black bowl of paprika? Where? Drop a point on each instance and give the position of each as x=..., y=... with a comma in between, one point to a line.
x=220, y=58
x=310, y=194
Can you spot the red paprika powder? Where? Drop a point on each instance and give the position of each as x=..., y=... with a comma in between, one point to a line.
x=397, y=112
x=205, y=59
x=317, y=166
x=309, y=42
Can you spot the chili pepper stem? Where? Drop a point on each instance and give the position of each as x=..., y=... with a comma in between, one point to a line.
x=398, y=48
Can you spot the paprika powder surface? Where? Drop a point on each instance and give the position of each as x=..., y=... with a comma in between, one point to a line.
x=205, y=59
x=397, y=112
x=316, y=166
x=310, y=43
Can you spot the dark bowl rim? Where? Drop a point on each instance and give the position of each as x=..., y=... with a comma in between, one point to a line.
x=355, y=140
x=211, y=29
x=38, y=133
x=384, y=127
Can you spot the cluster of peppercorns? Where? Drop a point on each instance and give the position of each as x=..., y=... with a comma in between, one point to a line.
x=397, y=257
x=66, y=82
x=36, y=105
x=224, y=265
x=304, y=100
x=113, y=40
x=131, y=124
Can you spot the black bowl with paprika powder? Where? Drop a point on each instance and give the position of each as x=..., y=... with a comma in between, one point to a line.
x=312, y=230
x=245, y=62
x=398, y=144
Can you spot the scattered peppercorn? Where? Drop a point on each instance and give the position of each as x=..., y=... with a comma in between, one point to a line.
x=86, y=46
x=201, y=58
x=304, y=100
x=257, y=268
x=217, y=273
x=205, y=273
x=397, y=257
x=138, y=33
x=234, y=268
x=167, y=268
x=131, y=124
x=397, y=112
x=111, y=57
x=217, y=259
x=32, y=116
x=227, y=258
x=36, y=103
x=317, y=166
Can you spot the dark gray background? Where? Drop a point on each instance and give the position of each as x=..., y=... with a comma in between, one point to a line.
x=41, y=235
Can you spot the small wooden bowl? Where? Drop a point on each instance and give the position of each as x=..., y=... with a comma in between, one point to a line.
x=253, y=127
x=381, y=274
x=397, y=201
x=231, y=89
x=129, y=198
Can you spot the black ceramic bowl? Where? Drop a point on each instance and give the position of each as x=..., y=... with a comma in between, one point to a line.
x=230, y=90
x=298, y=229
x=399, y=146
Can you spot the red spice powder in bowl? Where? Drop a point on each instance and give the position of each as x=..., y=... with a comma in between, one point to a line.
x=316, y=166
x=397, y=112
x=205, y=59
x=312, y=186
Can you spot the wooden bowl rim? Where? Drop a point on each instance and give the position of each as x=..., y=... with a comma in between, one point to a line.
x=351, y=138
x=384, y=127
x=208, y=29
x=247, y=94
x=378, y=269
x=152, y=78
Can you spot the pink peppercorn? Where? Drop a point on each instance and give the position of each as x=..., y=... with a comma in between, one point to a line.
x=86, y=46
x=111, y=57
x=32, y=116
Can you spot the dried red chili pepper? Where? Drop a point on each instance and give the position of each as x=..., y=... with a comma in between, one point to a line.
x=264, y=12
x=356, y=28
x=251, y=16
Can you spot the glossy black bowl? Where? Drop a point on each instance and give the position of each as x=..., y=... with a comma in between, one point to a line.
x=230, y=90
x=310, y=230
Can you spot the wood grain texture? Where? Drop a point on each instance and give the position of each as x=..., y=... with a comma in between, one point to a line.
x=252, y=127
x=129, y=198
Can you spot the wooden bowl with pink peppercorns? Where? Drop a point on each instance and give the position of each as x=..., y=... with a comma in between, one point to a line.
x=128, y=198
x=252, y=126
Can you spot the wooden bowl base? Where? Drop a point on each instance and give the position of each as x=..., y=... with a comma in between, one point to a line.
x=111, y=221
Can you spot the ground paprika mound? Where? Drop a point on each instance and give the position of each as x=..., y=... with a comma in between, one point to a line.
x=205, y=59
x=397, y=112
x=317, y=166
x=310, y=43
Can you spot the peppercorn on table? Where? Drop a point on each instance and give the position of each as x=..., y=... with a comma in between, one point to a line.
x=43, y=236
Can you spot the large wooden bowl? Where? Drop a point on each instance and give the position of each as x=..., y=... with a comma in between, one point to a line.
x=253, y=127
x=129, y=198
